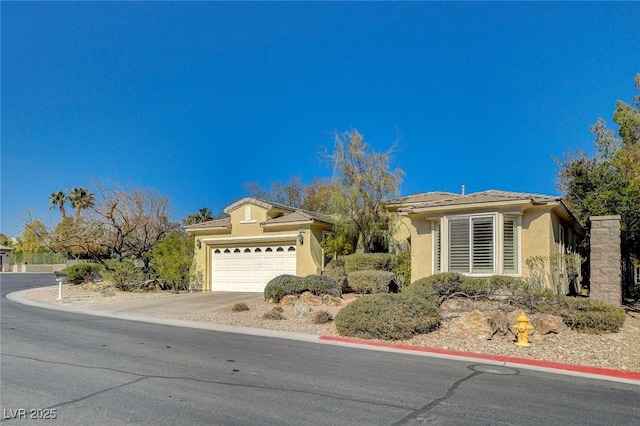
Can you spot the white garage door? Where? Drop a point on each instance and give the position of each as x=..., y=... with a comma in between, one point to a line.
x=250, y=268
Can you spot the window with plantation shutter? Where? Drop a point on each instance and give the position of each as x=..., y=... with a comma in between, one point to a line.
x=482, y=252
x=469, y=244
x=437, y=247
x=510, y=245
x=459, y=245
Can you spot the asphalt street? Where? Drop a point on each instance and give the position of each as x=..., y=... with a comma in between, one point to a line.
x=87, y=370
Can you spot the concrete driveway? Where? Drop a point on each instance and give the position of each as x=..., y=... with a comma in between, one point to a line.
x=176, y=306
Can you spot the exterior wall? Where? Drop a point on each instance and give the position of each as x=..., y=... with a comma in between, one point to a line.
x=537, y=235
x=421, y=246
x=606, y=276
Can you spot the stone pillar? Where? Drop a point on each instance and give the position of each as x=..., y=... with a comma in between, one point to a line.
x=605, y=259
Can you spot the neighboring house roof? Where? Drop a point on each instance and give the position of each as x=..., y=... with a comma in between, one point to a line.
x=6, y=249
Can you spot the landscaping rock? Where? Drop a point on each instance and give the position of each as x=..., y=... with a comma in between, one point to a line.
x=309, y=298
x=329, y=300
x=107, y=293
x=301, y=309
x=470, y=325
x=289, y=300
x=547, y=324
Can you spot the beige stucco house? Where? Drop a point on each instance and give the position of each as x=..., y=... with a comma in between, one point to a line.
x=485, y=233
x=257, y=241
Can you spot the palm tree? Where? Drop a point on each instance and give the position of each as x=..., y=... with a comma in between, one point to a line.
x=57, y=200
x=80, y=199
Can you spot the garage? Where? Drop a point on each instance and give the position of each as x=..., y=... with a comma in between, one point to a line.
x=250, y=268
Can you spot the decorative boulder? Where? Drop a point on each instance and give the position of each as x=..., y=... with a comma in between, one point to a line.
x=329, y=300
x=301, y=309
x=311, y=299
x=289, y=299
x=547, y=323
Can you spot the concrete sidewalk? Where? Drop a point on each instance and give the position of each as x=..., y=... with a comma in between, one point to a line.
x=168, y=311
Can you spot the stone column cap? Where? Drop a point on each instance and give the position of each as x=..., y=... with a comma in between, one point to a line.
x=612, y=217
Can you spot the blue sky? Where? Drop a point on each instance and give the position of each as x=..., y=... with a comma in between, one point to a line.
x=195, y=99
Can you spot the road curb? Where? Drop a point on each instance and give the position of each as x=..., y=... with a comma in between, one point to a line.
x=621, y=376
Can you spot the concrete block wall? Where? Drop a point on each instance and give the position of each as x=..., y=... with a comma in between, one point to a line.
x=605, y=259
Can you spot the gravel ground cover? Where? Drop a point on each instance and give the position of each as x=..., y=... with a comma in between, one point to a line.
x=463, y=328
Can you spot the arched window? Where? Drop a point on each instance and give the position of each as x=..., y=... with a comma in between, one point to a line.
x=258, y=250
x=236, y=251
x=247, y=250
x=269, y=250
x=217, y=251
x=292, y=249
x=227, y=251
x=280, y=249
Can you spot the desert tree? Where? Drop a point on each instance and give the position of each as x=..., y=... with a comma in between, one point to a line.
x=608, y=183
x=363, y=180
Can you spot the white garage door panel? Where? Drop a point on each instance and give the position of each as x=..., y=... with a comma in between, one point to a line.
x=250, y=268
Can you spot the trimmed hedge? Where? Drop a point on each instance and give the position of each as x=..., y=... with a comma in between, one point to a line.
x=584, y=315
x=368, y=261
x=446, y=284
x=340, y=276
x=387, y=317
x=283, y=285
x=321, y=284
x=82, y=272
x=280, y=286
x=370, y=282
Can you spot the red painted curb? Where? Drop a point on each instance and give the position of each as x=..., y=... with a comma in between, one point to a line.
x=632, y=375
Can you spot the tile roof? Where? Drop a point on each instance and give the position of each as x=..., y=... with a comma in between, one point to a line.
x=490, y=196
x=217, y=223
x=423, y=197
x=299, y=216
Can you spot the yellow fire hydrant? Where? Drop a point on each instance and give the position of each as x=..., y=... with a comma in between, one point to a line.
x=522, y=328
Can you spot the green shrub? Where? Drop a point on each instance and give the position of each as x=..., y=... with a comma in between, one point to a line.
x=123, y=274
x=321, y=317
x=584, y=315
x=340, y=276
x=438, y=285
x=388, y=317
x=239, y=307
x=370, y=282
x=402, y=267
x=504, y=285
x=320, y=284
x=283, y=285
x=445, y=285
x=82, y=273
x=337, y=263
x=368, y=261
x=273, y=314
x=280, y=286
